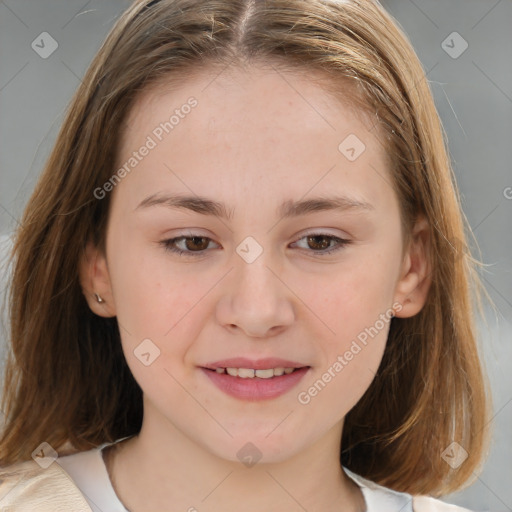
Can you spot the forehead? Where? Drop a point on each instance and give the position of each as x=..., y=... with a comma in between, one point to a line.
x=268, y=88
x=252, y=125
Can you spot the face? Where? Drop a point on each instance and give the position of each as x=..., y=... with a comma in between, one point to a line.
x=292, y=258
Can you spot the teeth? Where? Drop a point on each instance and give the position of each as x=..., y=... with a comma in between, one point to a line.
x=249, y=373
x=264, y=374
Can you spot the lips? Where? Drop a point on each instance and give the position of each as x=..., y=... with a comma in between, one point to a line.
x=249, y=379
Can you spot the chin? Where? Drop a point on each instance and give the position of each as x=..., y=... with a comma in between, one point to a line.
x=251, y=449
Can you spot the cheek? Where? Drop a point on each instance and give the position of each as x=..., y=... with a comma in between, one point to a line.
x=155, y=299
x=355, y=297
x=160, y=314
x=355, y=306
x=354, y=303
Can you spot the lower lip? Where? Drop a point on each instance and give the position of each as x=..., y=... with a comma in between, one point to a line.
x=255, y=388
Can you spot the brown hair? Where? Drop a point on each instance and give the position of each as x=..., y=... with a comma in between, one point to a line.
x=66, y=380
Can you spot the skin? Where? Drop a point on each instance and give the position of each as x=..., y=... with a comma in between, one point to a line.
x=257, y=138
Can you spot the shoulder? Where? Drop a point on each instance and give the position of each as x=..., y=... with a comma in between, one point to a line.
x=427, y=504
x=383, y=499
x=26, y=486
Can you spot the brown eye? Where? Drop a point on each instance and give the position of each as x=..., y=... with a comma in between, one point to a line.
x=196, y=243
x=319, y=242
x=188, y=245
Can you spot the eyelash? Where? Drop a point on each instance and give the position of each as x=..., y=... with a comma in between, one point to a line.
x=169, y=244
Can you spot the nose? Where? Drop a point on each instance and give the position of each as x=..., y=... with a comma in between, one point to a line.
x=256, y=300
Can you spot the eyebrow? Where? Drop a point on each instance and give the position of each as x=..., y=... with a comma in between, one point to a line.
x=205, y=206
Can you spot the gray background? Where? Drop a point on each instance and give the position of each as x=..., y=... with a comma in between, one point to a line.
x=473, y=93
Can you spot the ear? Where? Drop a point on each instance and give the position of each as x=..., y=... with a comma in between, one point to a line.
x=415, y=275
x=95, y=281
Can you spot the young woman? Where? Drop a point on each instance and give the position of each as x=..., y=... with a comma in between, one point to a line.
x=242, y=281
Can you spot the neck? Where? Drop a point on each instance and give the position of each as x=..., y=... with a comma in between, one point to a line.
x=162, y=469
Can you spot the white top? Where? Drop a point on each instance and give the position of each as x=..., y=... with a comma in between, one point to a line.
x=88, y=471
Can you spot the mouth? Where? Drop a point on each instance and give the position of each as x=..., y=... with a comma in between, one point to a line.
x=255, y=380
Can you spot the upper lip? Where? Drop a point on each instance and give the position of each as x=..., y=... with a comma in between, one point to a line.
x=256, y=364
